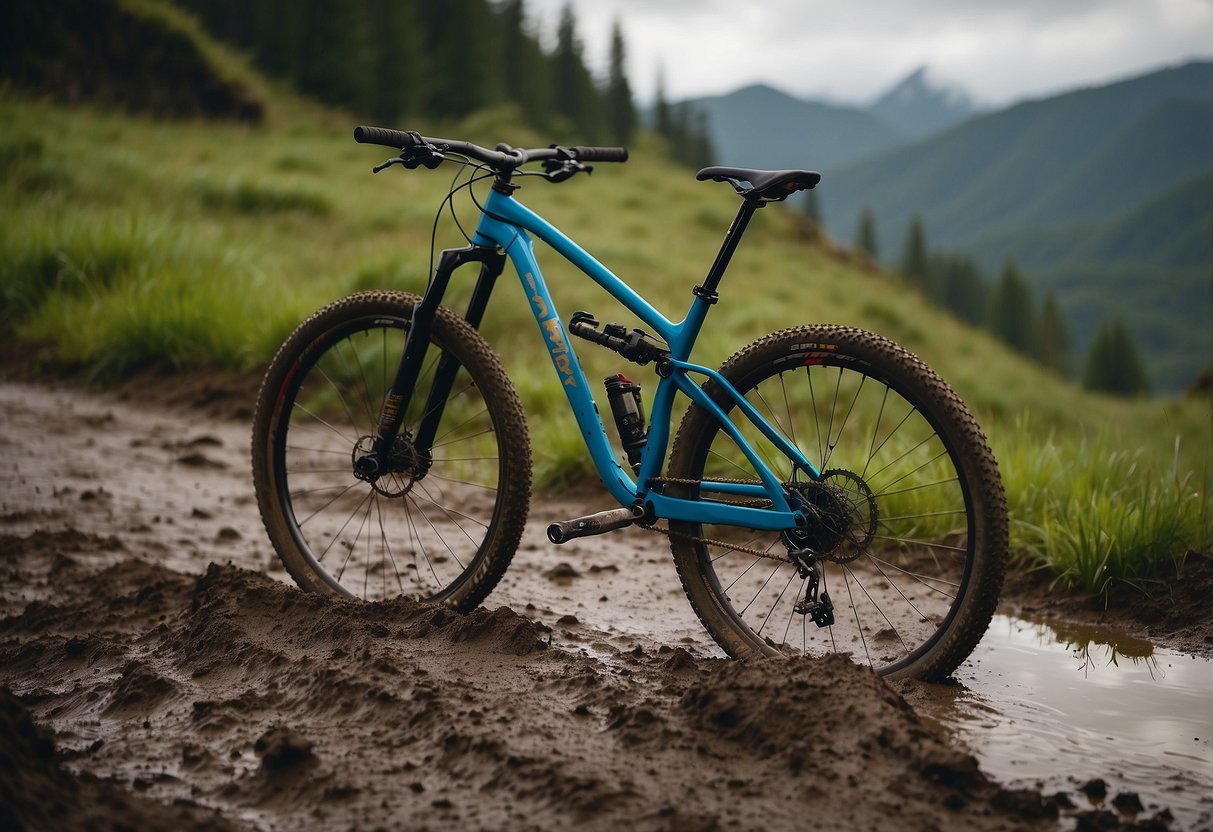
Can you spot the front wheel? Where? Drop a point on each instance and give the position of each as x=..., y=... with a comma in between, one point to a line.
x=443, y=522
x=908, y=519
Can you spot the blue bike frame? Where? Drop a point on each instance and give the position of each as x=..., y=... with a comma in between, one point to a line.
x=504, y=225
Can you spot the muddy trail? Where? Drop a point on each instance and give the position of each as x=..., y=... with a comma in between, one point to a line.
x=158, y=670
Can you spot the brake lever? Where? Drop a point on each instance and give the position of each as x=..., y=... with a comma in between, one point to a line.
x=555, y=170
x=395, y=160
x=429, y=156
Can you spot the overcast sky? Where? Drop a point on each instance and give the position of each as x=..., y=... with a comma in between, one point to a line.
x=997, y=50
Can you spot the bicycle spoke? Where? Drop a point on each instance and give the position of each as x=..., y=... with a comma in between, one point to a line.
x=863, y=640
x=352, y=547
x=872, y=449
x=760, y=589
x=871, y=600
x=787, y=408
x=926, y=543
x=344, y=437
x=771, y=612
x=917, y=487
x=442, y=539
x=344, y=491
x=387, y=548
x=922, y=579
x=897, y=589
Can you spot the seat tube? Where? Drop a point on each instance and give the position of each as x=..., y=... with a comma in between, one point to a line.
x=732, y=237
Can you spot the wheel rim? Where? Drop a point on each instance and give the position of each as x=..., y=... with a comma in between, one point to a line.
x=896, y=589
x=420, y=529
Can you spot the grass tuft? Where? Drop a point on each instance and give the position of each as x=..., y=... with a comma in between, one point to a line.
x=1095, y=513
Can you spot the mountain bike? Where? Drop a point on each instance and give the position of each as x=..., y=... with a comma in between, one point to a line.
x=824, y=491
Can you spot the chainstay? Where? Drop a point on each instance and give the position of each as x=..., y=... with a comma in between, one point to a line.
x=748, y=550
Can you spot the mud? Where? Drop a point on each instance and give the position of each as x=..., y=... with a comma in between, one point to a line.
x=157, y=660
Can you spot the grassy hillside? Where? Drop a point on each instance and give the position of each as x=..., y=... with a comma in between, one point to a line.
x=1149, y=266
x=131, y=242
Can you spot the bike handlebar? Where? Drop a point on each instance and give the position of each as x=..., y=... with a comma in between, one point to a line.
x=504, y=157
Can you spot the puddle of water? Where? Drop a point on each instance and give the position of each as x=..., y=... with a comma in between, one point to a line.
x=1053, y=705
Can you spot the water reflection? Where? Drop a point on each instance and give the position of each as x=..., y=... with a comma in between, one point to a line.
x=1055, y=704
x=1095, y=645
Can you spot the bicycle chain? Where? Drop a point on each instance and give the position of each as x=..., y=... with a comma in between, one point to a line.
x=708, y=540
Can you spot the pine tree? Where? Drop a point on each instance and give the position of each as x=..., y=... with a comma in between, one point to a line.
x=960, y=286
x=1011, y=310
x=525, y=66
x=700, y=151
x=467, y=58
x=1113, y=365
x=394, y=94
x=662, y=120
x=575, y=96
x=622, y=111
x=865, y=235
x=1053, y=343
x=914, y=256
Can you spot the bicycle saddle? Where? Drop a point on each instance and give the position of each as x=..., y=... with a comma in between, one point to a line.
x=765, y=185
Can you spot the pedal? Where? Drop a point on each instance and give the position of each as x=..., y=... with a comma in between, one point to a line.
x=600, y=523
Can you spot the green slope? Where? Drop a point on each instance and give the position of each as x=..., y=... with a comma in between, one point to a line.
x=1152, y=154
x=1150, y=266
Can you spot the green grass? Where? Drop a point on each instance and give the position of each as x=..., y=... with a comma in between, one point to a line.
x=247, y=196
x=1103, y=509
x=132, y=242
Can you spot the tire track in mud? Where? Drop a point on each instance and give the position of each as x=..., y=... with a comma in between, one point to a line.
x=280, y=708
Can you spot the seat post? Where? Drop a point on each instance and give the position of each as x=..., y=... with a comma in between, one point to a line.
x=707, y=290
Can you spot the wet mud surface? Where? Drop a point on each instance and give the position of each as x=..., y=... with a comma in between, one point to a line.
x=158, y=668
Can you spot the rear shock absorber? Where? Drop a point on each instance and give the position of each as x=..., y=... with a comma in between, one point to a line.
x=628, y=410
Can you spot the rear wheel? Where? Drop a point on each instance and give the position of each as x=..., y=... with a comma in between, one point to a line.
x=439, y=526
x=908, y=518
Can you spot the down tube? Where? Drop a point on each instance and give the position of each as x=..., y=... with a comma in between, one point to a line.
x=572, y=379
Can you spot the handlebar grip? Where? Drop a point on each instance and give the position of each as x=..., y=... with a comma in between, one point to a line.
x=600, y=154
x=384, y=136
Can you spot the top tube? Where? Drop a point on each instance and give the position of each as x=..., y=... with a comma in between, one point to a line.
x=500, y=225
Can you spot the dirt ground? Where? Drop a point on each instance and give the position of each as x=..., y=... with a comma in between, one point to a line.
x=158, y=670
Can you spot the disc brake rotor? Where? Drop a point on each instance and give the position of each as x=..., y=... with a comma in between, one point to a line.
x=404, y=465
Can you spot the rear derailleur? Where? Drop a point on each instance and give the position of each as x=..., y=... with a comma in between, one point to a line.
x=816, y=605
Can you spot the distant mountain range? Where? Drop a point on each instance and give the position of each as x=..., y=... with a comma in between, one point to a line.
x=760, y=126
x=920, y=104
x=1102, y=194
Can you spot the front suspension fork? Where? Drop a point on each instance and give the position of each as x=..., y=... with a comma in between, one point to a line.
x=399, y=396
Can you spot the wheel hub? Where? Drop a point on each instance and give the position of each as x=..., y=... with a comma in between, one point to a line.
x=841, y=513
x=396, y=474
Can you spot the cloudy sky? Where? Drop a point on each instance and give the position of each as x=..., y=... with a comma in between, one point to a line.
x=997, y=50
